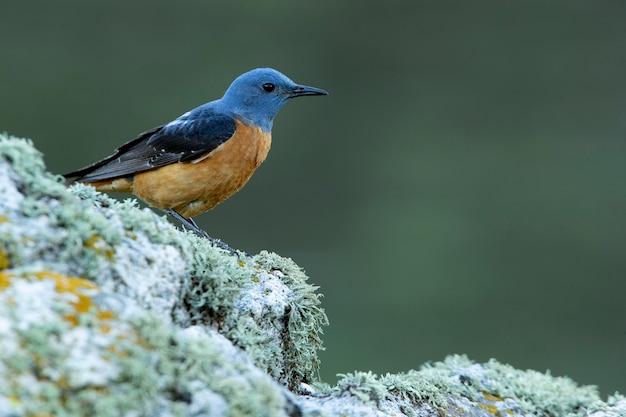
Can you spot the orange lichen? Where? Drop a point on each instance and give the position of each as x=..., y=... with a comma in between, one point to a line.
x=67, y=284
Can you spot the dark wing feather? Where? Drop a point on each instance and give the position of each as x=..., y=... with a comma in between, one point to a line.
x=182, y=141
x=122, y=150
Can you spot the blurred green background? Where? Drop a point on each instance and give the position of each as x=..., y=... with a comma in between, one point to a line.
x=462, y=189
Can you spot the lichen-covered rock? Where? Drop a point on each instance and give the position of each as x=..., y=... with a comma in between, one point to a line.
x=126, y=267
x=107, y=309
x=459, y=387
x=65, y=352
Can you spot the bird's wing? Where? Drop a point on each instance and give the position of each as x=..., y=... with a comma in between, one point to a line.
x=178, y=141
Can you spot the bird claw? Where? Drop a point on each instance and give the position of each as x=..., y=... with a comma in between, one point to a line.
x=192, y=226
x=214, y=242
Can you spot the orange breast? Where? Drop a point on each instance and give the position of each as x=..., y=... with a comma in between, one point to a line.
x=194, y=187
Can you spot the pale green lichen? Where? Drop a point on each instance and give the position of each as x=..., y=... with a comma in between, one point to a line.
x=538, y=393
x=27, y=162
x=108, y=366
x=187, y=363
x=492, y=386
x=305, y=318
x=218, y=283
x=44, y=202
x=81, y=232
x=412, y=386
x=366, y=386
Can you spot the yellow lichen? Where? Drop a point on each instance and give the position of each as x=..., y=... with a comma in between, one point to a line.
x=5, y=262
x=490, y=397
x=5, y=280
x=492, y=409
x=66, y=284
x=98, y=245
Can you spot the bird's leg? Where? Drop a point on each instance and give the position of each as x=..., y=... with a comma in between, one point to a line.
x=191, y=225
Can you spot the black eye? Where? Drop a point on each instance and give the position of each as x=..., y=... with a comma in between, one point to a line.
x=269, y=87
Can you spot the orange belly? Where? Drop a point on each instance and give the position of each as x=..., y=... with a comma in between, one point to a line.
x=191, y=188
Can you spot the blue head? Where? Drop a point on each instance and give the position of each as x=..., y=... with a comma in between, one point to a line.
x=258, y=95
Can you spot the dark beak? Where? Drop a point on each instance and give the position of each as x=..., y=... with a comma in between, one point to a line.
x=305, y=90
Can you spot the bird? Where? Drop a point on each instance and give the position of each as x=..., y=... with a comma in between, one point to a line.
x=193, y=163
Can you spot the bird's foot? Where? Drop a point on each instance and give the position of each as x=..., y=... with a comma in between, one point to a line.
x=214, y=242
x=191, y=225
